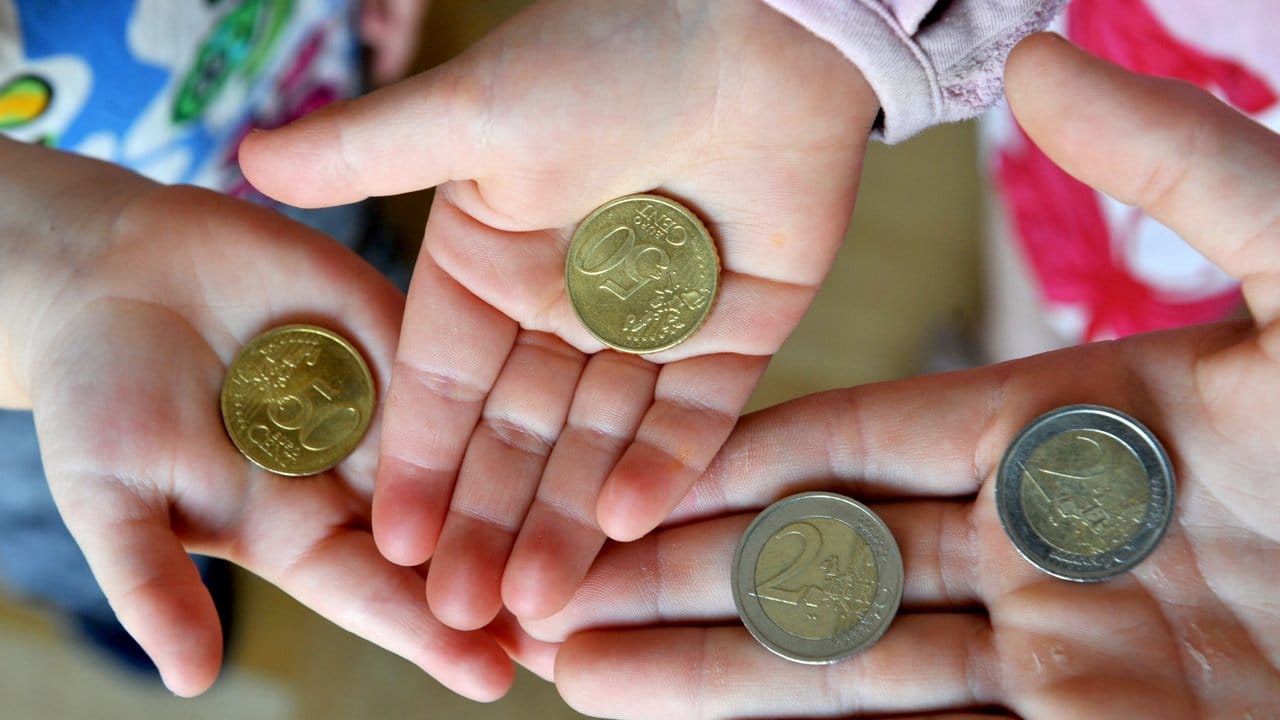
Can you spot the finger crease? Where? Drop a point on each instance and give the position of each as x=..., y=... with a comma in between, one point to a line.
x=579, y=516
x=695, y=406
x=672, y=458
x=981, y=672
x=349, y=169
x=445, y=386
x=519, y=437
x=957, y=578
x=1172, y=169
x=984, y=450
x=605, y=439
x=492, y=520
x=842, y=440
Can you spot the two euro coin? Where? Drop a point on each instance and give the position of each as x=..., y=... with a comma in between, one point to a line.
x=1085, y=492
x=817, y=577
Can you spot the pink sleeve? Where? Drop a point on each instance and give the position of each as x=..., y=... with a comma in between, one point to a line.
x=926, y=67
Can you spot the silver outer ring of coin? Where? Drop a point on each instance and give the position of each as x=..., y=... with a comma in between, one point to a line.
x=874, y=622
x=1072, y=566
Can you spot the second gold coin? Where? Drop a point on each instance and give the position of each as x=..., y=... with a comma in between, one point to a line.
x=297, y=400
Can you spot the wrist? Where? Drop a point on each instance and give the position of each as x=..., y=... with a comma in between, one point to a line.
x=929, y=63
x=844, y=93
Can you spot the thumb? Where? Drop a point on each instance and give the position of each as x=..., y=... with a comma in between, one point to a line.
x=151, y=583
x=397, y=139
x=1196, y=165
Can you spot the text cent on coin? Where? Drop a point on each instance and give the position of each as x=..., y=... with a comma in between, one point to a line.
x=1085, y=492
x=817, y=577
x=297, y=400
x=642, y=273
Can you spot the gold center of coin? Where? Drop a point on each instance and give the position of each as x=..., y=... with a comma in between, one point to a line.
x=815, y=579
x=1084, y=492
x=642, y=273
x=297, y=400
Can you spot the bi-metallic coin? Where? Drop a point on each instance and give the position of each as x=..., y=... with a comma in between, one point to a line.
x=642, y=273
x=817, y=577
x=297, y=400
x=1085, y=492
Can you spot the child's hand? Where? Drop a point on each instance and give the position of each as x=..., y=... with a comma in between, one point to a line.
x=123, y=302
x=1195, y=625
x=726, y=106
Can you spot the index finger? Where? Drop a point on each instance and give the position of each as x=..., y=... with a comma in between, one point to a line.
x=931, y=436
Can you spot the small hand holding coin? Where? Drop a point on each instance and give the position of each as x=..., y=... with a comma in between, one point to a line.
x=1191, y=628
x=129, y=304
x=515, y=438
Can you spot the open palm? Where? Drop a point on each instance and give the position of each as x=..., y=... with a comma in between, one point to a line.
x=510, y=432
x=154, y=291
x=1193, y=631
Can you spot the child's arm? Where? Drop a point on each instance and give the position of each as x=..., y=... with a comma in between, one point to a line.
x=121, y=304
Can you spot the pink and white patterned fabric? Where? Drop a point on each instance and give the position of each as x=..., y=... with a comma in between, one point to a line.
x=1103, y=270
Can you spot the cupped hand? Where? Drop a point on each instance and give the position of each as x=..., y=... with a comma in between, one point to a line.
x=513, y=441
x=1193, y=631
x=122, y=338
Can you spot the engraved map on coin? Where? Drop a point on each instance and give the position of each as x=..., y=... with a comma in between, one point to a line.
x=1085, y=492
x=817, y=577
x=297, y=400
x=642, y=273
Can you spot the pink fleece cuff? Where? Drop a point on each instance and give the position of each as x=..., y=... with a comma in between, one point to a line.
x=925, y=70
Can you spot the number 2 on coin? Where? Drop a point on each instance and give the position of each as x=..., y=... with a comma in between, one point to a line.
x=1066, y=504
x=811, y=547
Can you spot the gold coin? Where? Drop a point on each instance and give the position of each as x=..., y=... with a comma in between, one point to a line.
x=297, y=400
x=642, y=273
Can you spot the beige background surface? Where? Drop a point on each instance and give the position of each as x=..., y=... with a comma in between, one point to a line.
x=909, y=267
